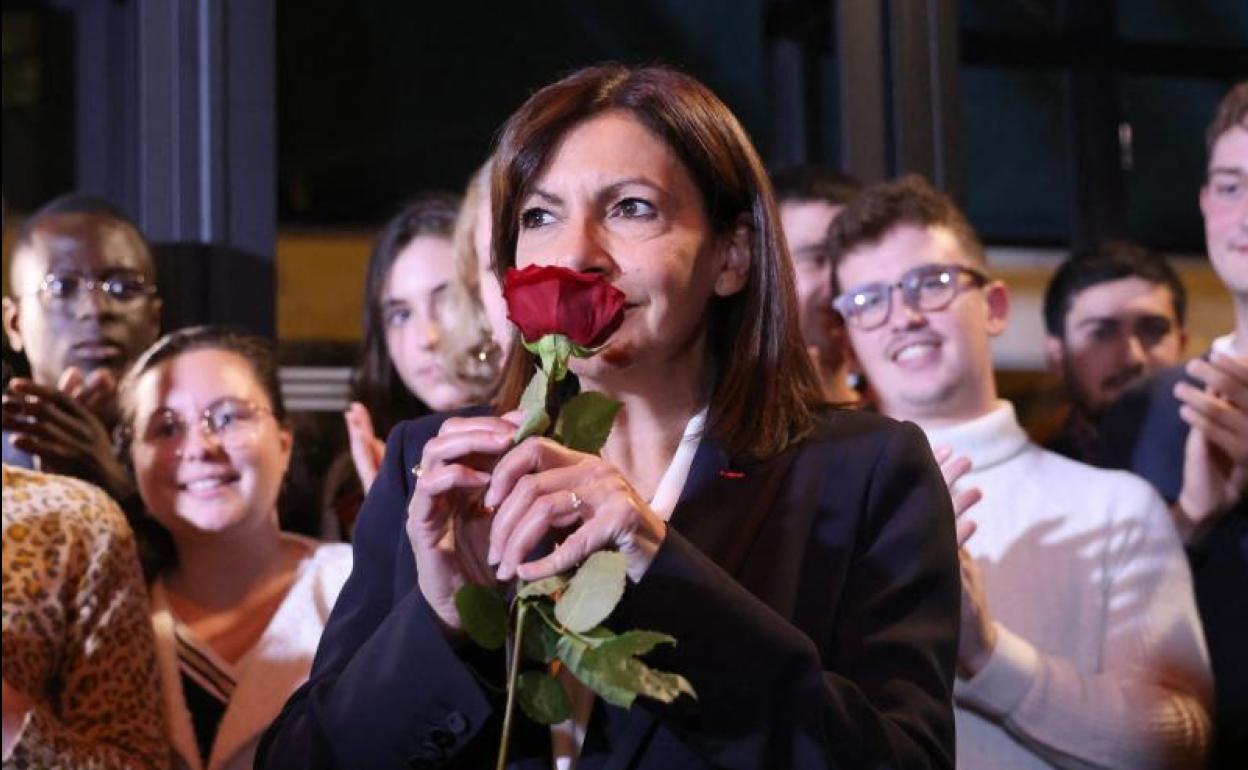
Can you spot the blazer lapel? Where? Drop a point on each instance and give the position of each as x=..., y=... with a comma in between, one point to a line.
x=722, y=508
x=724, y=503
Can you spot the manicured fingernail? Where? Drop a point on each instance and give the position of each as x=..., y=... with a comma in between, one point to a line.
x=492, y=556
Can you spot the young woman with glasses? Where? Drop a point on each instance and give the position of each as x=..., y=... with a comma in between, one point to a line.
x=237, y=604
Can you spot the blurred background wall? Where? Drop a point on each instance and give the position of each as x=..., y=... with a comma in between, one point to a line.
x=262, y=142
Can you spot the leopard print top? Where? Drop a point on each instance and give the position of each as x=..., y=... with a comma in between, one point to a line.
x=77, y=633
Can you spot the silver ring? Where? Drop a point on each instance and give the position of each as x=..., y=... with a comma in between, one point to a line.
x=418, y=470
x=577, y=502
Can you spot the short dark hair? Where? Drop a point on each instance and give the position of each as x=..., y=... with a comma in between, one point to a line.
x=1111, y=261
x=765, y=392
x=1232, y=111
x=377, y=384
x=76, y=203
x=810, y=182
x=909, y=200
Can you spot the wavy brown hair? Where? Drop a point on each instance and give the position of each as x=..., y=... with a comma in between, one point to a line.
x=765, y=392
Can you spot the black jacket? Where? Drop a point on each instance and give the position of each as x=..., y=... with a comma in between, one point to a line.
x=814, y=596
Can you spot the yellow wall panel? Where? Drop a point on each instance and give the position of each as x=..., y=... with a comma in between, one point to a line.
x=320, y=284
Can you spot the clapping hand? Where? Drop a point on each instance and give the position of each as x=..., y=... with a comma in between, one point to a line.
x=978, y=634
x=1215, y=457
x=954, y=467
x=367, y=450
x=65, y=427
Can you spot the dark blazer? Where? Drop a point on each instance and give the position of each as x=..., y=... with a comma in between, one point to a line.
x=1145, y=435
x=814, y=596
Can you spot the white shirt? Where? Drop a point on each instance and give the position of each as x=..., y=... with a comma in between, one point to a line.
x=568, y=737
x=1100, y=659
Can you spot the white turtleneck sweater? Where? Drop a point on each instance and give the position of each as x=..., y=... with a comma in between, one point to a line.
x=1100, y=660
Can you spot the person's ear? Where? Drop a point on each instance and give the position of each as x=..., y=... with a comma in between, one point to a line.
x=734, y=272
x=998, y=298
x=1053, y=354
x=286, y=440
x=12, y=324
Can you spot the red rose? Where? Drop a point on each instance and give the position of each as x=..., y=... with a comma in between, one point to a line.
x=554, y=300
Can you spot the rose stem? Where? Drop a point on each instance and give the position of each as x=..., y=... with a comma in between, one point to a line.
x=512, y=673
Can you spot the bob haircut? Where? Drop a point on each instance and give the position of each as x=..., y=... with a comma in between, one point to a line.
x=765, y=392
x=376, y=383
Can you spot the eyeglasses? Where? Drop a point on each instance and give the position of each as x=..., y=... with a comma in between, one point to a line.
x=926, y=288
x=61, y=290
x=234, y=423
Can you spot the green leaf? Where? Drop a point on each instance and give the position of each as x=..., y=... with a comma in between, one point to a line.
x=547, y=586
x=543, y=698
x=585, y=421
x=593, y=592
x=540, y=641
x=533, y=402
x=614, y=667
x=573, y=652
x=636, y=642
x=483, y=615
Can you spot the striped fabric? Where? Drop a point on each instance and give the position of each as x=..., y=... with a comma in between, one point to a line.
x=208, y=684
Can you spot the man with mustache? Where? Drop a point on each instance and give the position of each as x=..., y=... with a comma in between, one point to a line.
x=1080, y=644
x=83, y=305
x=1111, y=318
x=1186, y=431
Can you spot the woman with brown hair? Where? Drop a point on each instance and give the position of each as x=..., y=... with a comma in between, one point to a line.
x=421, y=331
x=803, y=557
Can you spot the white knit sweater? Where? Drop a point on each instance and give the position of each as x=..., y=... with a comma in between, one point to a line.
x=1100, y=660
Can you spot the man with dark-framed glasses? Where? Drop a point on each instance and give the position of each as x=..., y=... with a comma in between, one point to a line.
x=83, y=304
x=1080, y=644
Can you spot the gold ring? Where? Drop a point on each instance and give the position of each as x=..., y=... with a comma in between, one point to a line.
x=417, y=470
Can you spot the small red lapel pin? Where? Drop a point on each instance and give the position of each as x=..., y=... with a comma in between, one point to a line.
x=724, y=473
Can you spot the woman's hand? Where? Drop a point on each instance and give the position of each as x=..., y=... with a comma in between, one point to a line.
x=446, y=528
x=540, y=486
x=366, y=449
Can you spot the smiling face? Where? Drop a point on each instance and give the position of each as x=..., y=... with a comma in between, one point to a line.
x=194, y=483
x=89, y=331
x=1224, y=204
x=615, y=200
x=931, y=367
x=1115, y=333
x=410, y=309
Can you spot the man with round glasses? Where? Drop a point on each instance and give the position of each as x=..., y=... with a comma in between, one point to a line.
x=1080, y=643
x=83, y=304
